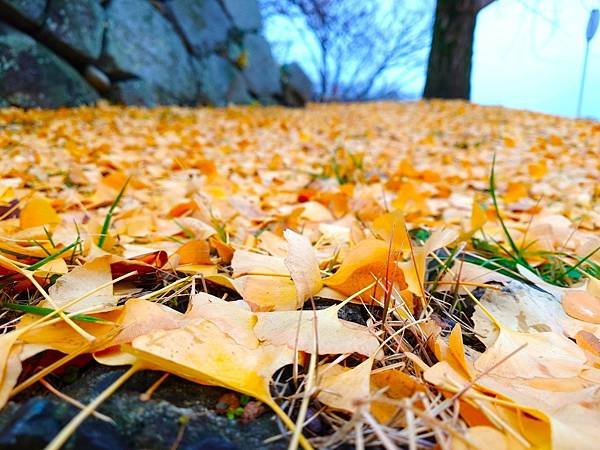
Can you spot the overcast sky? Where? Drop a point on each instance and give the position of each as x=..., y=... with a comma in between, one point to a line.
x=531, y=58
x=528, y=54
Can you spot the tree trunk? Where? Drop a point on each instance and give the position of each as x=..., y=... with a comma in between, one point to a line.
x=449, y=66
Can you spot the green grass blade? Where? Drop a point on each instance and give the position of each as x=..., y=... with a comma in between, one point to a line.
x=584, y=259
x=41, y=311
x=49, y=258
x=109, y=214
x=517, y=253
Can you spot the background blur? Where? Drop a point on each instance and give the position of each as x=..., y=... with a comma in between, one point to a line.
x=517, y=53
x=527, y=53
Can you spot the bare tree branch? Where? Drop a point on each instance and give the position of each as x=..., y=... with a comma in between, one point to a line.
x=355, y=45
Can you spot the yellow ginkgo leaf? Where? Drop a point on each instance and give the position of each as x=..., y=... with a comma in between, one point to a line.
x=538, y=170
x=334, y=335
x=10, y=364
x=366, y=263
x=345, y=388
x=56, y=266
x=481, y=438
x=454, y=352
x=81, y=280
x=392, y=228
x=37, y=212
x=202, y=353
x=302, y=263
x=233, y=318
x=544, y=355
x=194, y=252
x=267, y=293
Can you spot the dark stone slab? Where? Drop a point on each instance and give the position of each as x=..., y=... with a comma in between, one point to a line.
x=244, y=13
x=141, y=42
x=261, y=71
x=33, y=76
x=134, y=92
x=27, y=13
x=202, y=23
x=297, y=87
x=74, y=28
x=219, y=83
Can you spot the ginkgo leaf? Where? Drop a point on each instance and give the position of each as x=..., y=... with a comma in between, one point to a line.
x=469, y=276
x=82, y=279
x=392, y=228
x=414, y=267
x=557, y=291
x=295, y=329
x=582, y=305
x=267, y=293
x=344, y=388
x=394, y=385
x=364, y=264
x=545, y=355
x=62, y=337
x=120, y=325
x=575, y=426
x=57, y=266
x=245, y=262
x=37, y=212
x=454, y=352
x=265, y=281
x=302, y=265
x=139, y=317
x=272, y=243
x=481, y=438
x=204, y=354
x=10, y=365
x=194, y=252
x=233, y=318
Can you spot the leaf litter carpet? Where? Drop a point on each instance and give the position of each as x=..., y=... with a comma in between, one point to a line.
x=203, y=242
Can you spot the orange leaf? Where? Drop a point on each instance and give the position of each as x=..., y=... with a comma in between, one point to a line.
x=363, y=265
x=194, y=252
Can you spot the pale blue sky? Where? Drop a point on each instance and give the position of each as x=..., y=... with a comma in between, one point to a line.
x=528, y=54
x=531, y=57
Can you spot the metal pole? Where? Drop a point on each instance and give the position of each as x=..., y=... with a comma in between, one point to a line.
x=592, y=26
x=583, y=72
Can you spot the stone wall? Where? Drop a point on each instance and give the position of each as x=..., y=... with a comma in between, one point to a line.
x=57, y=53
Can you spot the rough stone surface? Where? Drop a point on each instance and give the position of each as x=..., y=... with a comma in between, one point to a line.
x=25, y=12
x=31, y=425
x=203, y=23
x=244, y=13
x=297, y=87
x=33, y=76
x=140, y=52
x=151, y=425
x=141, y=42
x=134, y=92
x=238, y=90
x=261, y=71
x=98, y=79
x=75, y=28
x=219, y=83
